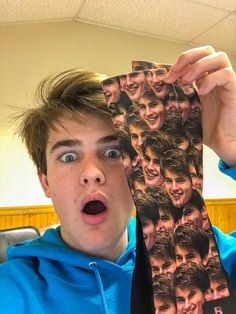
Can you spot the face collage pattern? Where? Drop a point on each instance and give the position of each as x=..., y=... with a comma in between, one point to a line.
x=160, y=133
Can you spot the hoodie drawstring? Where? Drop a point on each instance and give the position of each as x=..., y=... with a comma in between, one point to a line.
x=93, y=266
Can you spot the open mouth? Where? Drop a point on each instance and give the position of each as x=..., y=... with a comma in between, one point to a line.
x=94, y=208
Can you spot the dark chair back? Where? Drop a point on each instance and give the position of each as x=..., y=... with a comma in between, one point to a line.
x=15, y=235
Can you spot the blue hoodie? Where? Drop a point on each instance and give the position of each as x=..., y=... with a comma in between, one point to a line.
x=46, y=276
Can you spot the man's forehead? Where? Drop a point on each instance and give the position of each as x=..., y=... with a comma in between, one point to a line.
x=173, y=174
x=66, y=128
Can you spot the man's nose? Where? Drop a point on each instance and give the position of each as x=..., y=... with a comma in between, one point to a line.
x=187, y=304
x=174, y=186
x=129, y=80
x=140, y=140
x=150, y=165
x=156, y=78
x=216, y=295
x=92, y=174
x=147, y=111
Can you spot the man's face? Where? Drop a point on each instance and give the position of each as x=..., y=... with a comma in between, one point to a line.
x=192, y=214
x=195, y=106
x=127, y=162
x=119, y=119
x=182, y=142
x=162, y=266
x=137, y=135
x=218, y=289
x=193, y=175
x=196, y=142
x=123, y=81
x=166, y=222
x=212, y=248
x=184, y=108
x=111, y=90
x=151, y=169
x=179, y=188
x=159, y=87
x=188, y=89
x=139, y=186
x=189, y=301
x=185, y=255
x=135, y=85
x=178, y=104
x=200, y=179
x=86, y=181
x=164, y=306
x=149, y=234
x=152, y=112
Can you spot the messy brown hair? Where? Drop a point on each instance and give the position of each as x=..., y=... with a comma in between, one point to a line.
x=71, y=94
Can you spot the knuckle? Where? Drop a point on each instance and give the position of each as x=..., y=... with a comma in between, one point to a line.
x=209, y=49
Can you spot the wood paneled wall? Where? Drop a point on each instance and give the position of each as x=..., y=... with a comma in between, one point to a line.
x=37, y=216
x=222, y=213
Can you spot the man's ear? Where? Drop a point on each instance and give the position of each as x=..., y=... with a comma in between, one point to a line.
x=44, y=183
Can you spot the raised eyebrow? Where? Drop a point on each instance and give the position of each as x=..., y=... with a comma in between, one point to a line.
x=107, y=139
x=65, y=143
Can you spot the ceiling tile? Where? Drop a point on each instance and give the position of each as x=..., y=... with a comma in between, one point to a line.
x=221, y=36
x=229, y=5
x=178, y=20
x=31, y=10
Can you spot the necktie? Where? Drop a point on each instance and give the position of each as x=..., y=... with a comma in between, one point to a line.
x=178, y=269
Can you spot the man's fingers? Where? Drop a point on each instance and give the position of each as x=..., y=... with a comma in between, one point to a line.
x=186, y=59
x=224, y=77
x=209, y=64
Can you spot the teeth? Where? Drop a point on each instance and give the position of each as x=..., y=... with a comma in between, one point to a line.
x=152, y=175
x=152, y=119
x=132, y=90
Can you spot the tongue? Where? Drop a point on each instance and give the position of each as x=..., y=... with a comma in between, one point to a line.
x=94, y=208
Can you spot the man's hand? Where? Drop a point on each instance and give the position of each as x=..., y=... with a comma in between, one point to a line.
x=216, y=82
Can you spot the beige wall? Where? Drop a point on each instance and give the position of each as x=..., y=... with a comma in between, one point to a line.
x=30, y=52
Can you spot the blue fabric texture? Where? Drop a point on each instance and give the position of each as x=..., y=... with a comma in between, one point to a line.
x=227, y=249
x=46, y=276
x=226, y=170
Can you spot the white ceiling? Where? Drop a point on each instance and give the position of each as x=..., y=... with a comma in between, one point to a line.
x=194, y=22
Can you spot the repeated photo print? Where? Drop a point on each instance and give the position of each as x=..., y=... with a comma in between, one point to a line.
x=160, y=133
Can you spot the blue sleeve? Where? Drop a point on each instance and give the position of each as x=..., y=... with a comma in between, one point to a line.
x=227, y=249
x=226, y=170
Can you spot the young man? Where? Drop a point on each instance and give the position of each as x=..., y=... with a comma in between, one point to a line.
x=174, y=168
x=149, y=216
x=195, y=210
x=164, y=294
x=111, y=89
x=218, y=281
x=153, y=147
x=87, y=264
x=191, y=244
x=136, y=85
x=156, y=81
x=178, y=102
x=152, y=110
x=137, y=129
x=80, y=168
x=162, y=254
x=169, y=215
x=191, y=283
